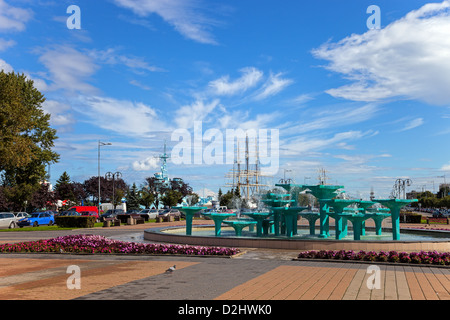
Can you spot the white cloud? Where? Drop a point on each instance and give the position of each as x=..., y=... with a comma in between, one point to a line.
x=110, y=56
x=68, y=69
x=273, y=86
x=6, y=44
x=303, y=144
x=413, y=124
x=140, y=85
x=408, y=59
x=250, y=78
x=59, y=112
x=146, y=164
x=121, y=116
x=12, y=18
x=184, y=15
x=5, y=66
x=446, y=167
x=197, y=111
x=335, y=117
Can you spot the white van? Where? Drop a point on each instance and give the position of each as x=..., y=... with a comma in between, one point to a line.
x=8, y=220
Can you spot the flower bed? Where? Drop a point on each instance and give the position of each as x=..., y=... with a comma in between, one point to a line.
x=94, y=244
x=422, y=257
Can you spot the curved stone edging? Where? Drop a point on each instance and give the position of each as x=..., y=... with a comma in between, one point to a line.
x=155, y=234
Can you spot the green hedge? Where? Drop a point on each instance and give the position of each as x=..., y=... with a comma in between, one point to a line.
x=75, y=222
x=412, y=218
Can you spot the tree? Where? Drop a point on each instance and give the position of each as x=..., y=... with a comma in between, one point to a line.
x=133, y=198
x=42, y=198
x=155, y=188
x=146, y=198
x=227, y=198
x=180, y=186
x=171, y=198
x=64, y=189
x=26, y=139
x=4, y=202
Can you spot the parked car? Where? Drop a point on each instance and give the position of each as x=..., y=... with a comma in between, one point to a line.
x=21, y=215
x=8, y=220
x=84, y=208
x=152, y=213
x=111, y=213
x=170, y=212
x=70, y=214
x=90, y=214
x=36, y=219
x=132, y=212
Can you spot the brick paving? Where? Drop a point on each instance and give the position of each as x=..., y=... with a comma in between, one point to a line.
x=256, y=275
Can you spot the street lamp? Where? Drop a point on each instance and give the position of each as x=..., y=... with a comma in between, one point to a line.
x=100, y=144
x=112, y=177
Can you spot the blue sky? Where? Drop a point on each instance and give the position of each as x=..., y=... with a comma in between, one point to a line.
x=369, y=106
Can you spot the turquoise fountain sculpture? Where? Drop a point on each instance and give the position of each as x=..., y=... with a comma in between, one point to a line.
x=338, y=215
x=218, y=218
x=259, y=217
x=378, y=215
x=240, y=224
x=277, y=203
x=364, y=205
x=294, y=190
x=322, y=194
x=189, y=212
x=395, y=205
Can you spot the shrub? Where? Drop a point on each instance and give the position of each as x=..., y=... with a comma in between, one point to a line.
x=101, y=245
x=75, y=222
x=422, y=257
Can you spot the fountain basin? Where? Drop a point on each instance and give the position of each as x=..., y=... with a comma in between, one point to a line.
x=413, y=240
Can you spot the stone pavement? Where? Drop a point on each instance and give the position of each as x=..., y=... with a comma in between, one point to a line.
x=256, y=275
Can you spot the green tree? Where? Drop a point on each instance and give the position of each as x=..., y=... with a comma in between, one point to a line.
x=146, y=198
x=26, y=139
x=133, y=198
x=171, y=198
x=64, y=189
x=227, y=198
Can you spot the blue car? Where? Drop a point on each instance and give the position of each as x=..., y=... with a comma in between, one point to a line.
x=36, y=219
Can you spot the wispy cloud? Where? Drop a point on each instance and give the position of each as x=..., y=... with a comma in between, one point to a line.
x=13, y=18
x=333, y=118
x=67, y=69
x=112, y=57
x=273, y=86
x=250, y=78
x=5, y=66
x=405, y=60
x=140, y=85
x=413, y=124
x=446, y=167
x=307, y=144
x=6, y=44
x=60, y=113
x=186, y=16
x=199, y=110
x=127, y=118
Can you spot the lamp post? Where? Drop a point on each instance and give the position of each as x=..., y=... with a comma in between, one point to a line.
x=113, y=176
x=100, y=144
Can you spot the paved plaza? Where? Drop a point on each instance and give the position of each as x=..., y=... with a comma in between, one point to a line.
x=257, y=274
